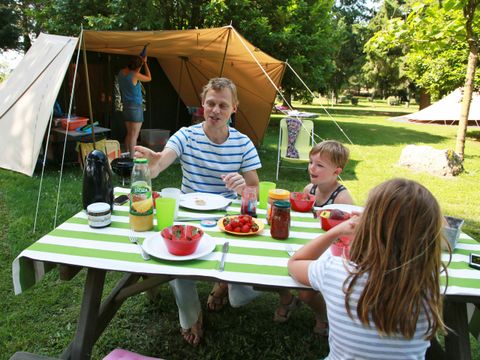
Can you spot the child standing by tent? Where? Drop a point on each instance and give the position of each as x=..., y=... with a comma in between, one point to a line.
x=386, y=300
x=129, y=79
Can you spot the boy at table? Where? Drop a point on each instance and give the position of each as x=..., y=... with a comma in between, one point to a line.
x=215, y=158
x=327, y=161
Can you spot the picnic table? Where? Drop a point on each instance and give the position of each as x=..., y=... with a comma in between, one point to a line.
x=257, y=260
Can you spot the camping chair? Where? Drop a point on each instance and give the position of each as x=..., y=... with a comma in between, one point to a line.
x=303, y=144
x=110, y=147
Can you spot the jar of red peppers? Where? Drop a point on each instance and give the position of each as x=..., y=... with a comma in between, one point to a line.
x=275, y=195
x=280, y=221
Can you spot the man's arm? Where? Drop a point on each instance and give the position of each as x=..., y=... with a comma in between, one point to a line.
x=237, y=182
x=157, y=161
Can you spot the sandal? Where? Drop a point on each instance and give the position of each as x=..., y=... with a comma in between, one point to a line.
x=286, y=309
x=321, y=327
x=217, y=297
x=195, y=333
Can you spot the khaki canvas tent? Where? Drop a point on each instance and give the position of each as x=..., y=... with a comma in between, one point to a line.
x=446, y=111
x=188, y=57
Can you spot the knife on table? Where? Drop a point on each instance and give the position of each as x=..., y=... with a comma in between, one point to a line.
x=224, y=254
x=214, y=217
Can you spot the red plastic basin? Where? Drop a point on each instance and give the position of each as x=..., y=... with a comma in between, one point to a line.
x=181, y=247
x=302, y=202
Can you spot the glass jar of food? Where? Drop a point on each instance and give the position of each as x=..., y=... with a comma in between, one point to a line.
x=274, y=195
x=249, y=201
x=280, y=221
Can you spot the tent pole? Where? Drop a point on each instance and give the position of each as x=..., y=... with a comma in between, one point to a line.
x=66, y=132
x=177, y=120
x=225, y=52
x=88, y=90
x=43, y=172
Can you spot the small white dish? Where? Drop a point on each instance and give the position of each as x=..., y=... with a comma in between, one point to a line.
x=343, y=207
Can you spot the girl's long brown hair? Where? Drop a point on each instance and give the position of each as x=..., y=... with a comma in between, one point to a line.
x=397, y=246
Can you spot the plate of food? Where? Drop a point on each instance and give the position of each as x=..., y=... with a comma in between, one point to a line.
x=155, y=246
x=240, y=225
x=343, y=207
x=204, y=201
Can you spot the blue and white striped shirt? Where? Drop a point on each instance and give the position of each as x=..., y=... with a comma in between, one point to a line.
x=204, y=162
x=350, y=339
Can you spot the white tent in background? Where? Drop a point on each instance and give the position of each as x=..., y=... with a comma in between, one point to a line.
x=446, y=111
x=27, y=103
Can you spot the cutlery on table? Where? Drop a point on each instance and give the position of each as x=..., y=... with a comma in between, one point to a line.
x=134, y=240
x=289, y=249
x=216, y=217
x=224, y=254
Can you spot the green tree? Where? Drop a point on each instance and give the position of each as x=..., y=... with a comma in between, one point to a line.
x=351, y=19
x=384, y=66
x=298, y=30
x=9, y=26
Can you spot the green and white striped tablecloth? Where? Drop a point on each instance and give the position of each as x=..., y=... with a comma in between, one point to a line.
x=258, y=260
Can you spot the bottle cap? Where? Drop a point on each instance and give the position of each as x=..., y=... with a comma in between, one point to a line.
x=281, y=204
x=279, y=194
x=208, y=223
x=140, y=161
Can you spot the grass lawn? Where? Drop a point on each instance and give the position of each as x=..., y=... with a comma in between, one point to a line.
x=43, y=319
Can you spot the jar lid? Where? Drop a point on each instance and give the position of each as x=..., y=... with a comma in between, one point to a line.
x=98, y=208
x=281, y=204
x=279, y=194
x=208, y=223
x=140, y=161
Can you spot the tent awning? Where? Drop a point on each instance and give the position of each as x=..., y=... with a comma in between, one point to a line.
x=191, y=57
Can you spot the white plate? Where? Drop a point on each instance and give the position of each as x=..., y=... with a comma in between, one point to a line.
x=343, y=207
x=203, y=201
x=155, y=246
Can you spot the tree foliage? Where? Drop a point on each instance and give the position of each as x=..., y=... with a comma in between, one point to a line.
x=427, y=42
x=301, y=31
x=351, y=19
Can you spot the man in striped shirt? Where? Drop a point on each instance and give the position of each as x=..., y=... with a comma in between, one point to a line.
x=212, y=154
x=216, y=159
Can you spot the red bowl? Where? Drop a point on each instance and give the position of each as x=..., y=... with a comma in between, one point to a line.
x=181, y=247
x=302, y=202
x=340, y=249
x=328, y=223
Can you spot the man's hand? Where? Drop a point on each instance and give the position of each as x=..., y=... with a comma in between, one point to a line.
x=234, y=181
x=157, y=161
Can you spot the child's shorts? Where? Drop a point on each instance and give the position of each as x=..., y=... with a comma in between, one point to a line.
x=133, y=112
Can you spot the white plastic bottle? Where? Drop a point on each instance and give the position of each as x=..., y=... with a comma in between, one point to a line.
x=141, y=201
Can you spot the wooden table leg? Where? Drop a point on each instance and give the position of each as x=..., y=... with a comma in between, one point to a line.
x=82, y=344
x=95, y=316
x=457, y=341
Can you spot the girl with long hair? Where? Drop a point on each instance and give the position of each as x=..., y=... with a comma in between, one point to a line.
x=385, y=301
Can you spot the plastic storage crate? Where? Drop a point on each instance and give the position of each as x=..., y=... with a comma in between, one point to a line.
x=154, y=139
x=74, y=122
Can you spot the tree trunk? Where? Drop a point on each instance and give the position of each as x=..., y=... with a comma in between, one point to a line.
x=425, y=99
x=469, y=12
x=288, y=97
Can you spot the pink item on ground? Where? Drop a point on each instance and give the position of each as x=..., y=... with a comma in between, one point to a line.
x=120, y=354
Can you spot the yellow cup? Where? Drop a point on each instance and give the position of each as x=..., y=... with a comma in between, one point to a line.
x=165, y=212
